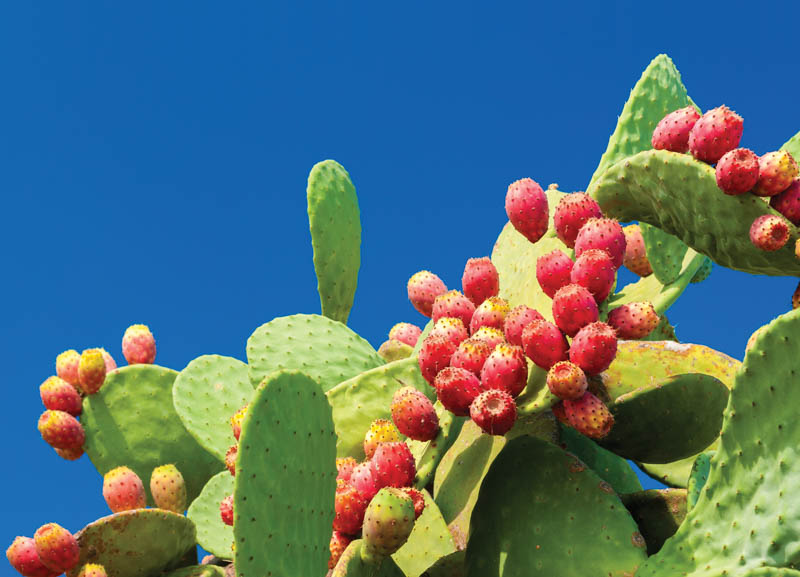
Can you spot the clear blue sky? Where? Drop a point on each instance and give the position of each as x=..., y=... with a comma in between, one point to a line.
x=154, y=162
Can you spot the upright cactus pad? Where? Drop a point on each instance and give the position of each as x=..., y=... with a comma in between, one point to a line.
x=212, y=534
x=335, y=224
x=429, y=541
x=352, y=564
x=665, y=253
x=658, y=513
x=285, y=480
x=698, y=477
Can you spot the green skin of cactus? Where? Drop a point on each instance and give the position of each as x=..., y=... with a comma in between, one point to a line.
x=388, y=523
x=658, y=513
x=430, y=541
x=698, y=477
x=352, y=563
x=665, y=253
x=212, y=534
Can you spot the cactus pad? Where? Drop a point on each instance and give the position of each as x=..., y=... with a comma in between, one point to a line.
x=429, y=541
x=613, y=469
x=427, y=454
x=658, y=513
x=665, y=253
x=698, y=477
x=792, y=146
x=212, y=534
x=352, y=564
x=198, y=571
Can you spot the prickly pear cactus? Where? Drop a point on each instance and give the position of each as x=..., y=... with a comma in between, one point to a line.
x=212, y=534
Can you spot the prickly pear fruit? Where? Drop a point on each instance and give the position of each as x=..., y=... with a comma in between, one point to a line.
x=67, y=366
x=788, y=202
x=553, y=271
x=91, y=371
x=716, y=132
x=364, y=479
x=417, y=498
x=139, y=345
x=226, y=510
x=93, y=570
x=776, y=171
x=574, y=307
x=494, y=412
x=393, y=465
x=339, y=542
x=434, y=355
x=544, y=344
x=380, y=431
x=230, y=459
x=566, y=380
x=61, y=430
x=589, y=416
x=70, y=454
x=123, y=490
x=456, y=388
x=388, y=522
x=490, y=313
x=489, y=335
x=344, y=468
x=769, y=232
x=453, y=304
x=450, y=328
x=634, y=320
x=737, y=171
x=526, y=207
x=594, y=348
x=604, y=234
x=405, y=333
x=23, y=557
x=635, y=258
x=672, y=131
x=57, y=548
x=58, y=395
x=109, y=361
x=393, y=350
x=423, y=288
x=471, y=355
x=516, y=320
x=560, y=414
x=506, y=369
x=413, y=414
x=168, y=488
x=594, y=270
x=480, y=280
x=236, y=421
x=572, y=212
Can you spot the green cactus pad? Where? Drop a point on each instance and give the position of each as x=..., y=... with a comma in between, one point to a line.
x=450, y=566
x=745, y=517
x=326, y=350
x=139, y=543
x=658, y=513
x=677, y=194
x=704, y=271
x=212, y=534
x=562, y=520
x=663, y=332
x=335, y=223
x=427, y=454
x=429, y=541
x=422, y=336
x=132, y=422
x=206, y=395
x=198, y=571
x=368, y=396
x=698, y=477
x=645, y=431
x=536, y=397
x=665, y=253
x=285, y=479
x=613, y=469
x=792, y=146
x=352, y=564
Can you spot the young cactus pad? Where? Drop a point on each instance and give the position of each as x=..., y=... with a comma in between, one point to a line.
x=353, y=564
x=429, y=541
x=664, y=252
x=612, y=468
x=212, y=534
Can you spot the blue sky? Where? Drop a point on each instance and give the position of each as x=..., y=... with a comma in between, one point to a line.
x=155, y=158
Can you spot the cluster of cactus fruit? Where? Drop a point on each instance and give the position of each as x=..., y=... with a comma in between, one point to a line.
x=498, y=440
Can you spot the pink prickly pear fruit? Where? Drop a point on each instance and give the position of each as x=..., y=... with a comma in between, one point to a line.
x=490, y=313
x=168, y=488
x=226, y=510
x=405, y=333
x=139, y=345
x=553, y=271
x=788, y=202
x=393, y=350
x=471, y=355
x=604, y=234
x=716, y=132
x=480, y=280
x=589, y=416
x=380, y=431
x=453, y=304
x=572, y=212
x=423, y=288
x=414, y=415
x=450, y=328
x=776, y=171
x=594, y=348
x=635, y=258
x=526, y=207
x=58, y=395
x=67, y=366
x=434, y=355
x=344, y=468
x=339, y=542
x=236, y=421
x=57, y=548
x=70, y=454
x=494, y=412
x=594, y=270
x=506, y=369
x=574, y=307
x=566, y=380
x=456, y=388
x=634, y=321
x=737, y=171
x=23, y=557
x=123, y=490
x=490, y=335
x=417, y=498
x=230, y=459
x=544, y=344
x=61, y=430
x=394, y=465
x=769, y=232
x=93, y=570
x=108, y=360
x=672, y=131
x=364, y=479
x=91, y=371
x=516, y=320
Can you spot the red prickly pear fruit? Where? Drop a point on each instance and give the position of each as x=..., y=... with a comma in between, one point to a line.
x=566, y=380
x=672, y=131
x=572, y=212
x=471, y=355
x=490, y=335
x=594, y=270
x=413, y=414
x=23, y=557
x=423, y=288
x=594, y=348
x=58, y=395
x=769, y=232
x=516, y=320
x=490, y=313
x=776, y=171
x=526, y=207
x=635, y=258
x=453, y=304
x=226, y=510
x=716, y=132
x=605, y=234
x=417, y=498
x=93, y=570
x=456, y=388
x=380, y=431
x=61, y=430
x=236, y=421
x=344, y=468
x=168, y=488
x=788, y=202
x=574, y=307
x=364, y=479
x=589, y=416
x=544, y=344
x=70, y=454
x=139, y=345
x=480, y=280
x=434, y=355
x=494, y=412
x=450, y=328
x=91, y=371
x=123, y=490
x=737, y=171
x=339, y=542
x=393, y=465
x=553, y=271
x=109, y=361
x=230, y=459
x=57, y=548
x=67, y=366
x=560, y=414
x=634, y=321
x=349, y=505
x=388, y=522
x=405, y=333
x=506, y=369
